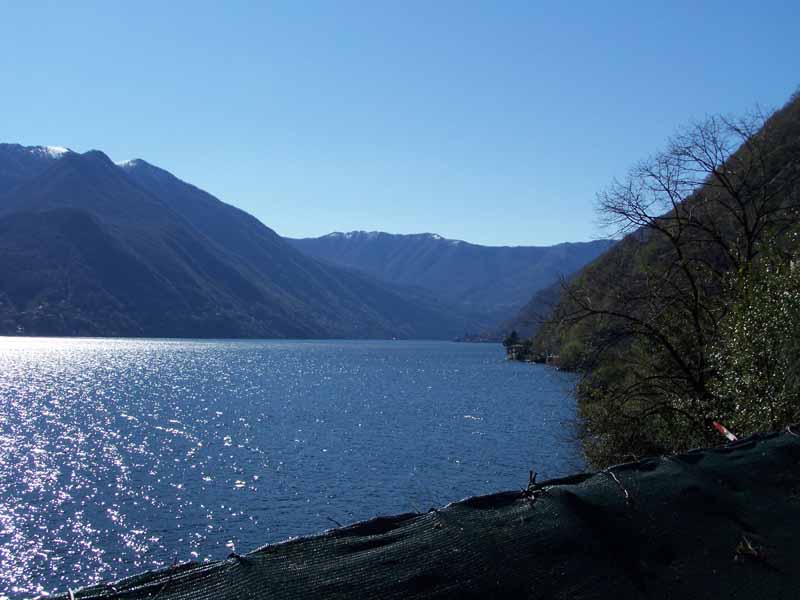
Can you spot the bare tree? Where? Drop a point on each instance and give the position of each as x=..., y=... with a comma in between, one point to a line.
x=694, y=216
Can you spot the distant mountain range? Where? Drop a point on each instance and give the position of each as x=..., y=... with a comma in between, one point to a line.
x=490, y=284
x=89, y=247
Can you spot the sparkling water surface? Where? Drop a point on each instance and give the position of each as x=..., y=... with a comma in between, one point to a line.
x=120, y=455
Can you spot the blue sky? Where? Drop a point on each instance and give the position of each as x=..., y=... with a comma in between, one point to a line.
x=493, y=122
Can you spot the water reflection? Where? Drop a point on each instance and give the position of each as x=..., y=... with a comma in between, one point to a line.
x=121, y=455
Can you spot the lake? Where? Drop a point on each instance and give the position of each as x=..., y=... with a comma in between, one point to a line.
x=119, y=455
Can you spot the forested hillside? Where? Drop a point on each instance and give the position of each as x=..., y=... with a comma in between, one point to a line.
x=694, y=317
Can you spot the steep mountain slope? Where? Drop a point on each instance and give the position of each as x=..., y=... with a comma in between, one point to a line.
x=691, y=319
x=490, y=282
x=18, y=163
x=530, y=317
x=90, y=247
x=642, y=251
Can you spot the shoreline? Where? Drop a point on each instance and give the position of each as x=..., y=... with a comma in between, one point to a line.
x=709, y=522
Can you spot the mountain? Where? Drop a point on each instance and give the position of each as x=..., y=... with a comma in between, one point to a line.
x=530, y=317
x=18, y=163
x=489, y=283
x=762, y=217
x=692, y=319
x=89, y=247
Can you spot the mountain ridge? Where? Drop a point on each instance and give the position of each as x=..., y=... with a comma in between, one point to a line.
x=492, y=283
x=204, y=268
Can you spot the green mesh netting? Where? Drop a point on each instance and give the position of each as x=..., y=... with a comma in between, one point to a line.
x=719, y=523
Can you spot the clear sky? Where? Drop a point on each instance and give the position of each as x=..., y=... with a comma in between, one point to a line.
x=492, y=122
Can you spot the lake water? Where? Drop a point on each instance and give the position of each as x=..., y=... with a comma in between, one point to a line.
x=118, y=456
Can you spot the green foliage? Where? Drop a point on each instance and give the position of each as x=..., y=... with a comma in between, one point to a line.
x=687, y=320
x=757, y=352
x=512, y=339
x=527, y=347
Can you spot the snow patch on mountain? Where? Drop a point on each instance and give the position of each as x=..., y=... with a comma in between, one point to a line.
x=50, y=151
x=128, y=164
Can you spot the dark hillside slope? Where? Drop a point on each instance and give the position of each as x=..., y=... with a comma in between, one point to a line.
x=246, y=238
x=535, y=313
x=89, y=247
x=493, y=282
x=80, y=281
x=640, y=251
x=663, y=325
